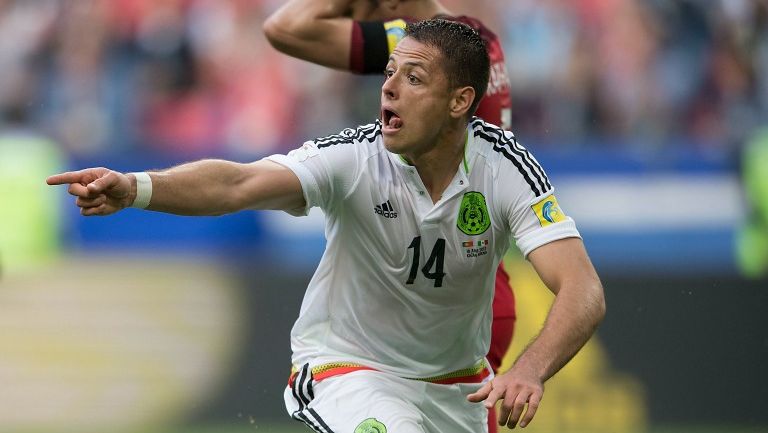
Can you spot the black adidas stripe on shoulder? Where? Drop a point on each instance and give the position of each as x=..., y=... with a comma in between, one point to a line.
x=508, y=146
x=349, y=135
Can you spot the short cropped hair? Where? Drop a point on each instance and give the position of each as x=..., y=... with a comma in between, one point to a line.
x=465, y=56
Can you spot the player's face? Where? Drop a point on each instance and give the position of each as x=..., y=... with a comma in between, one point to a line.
x=415, y=98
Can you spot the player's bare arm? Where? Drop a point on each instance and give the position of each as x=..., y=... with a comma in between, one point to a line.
x=206, y=187
x=318, y=31
x=578, y=308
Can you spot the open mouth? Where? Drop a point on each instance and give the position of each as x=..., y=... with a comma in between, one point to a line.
x=390, y=119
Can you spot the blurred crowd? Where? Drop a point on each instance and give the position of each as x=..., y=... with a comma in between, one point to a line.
x=197, y=77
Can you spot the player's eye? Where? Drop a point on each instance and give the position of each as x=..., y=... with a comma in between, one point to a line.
x=413, y=79
x=389, y=72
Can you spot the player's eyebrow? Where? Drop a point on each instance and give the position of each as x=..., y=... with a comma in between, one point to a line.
x=411, y=63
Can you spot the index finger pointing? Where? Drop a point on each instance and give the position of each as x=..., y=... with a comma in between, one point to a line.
x=63, y=178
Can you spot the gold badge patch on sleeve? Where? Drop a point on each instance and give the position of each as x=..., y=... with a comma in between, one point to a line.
x=548, y=211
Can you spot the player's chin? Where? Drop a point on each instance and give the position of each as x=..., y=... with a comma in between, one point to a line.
x=393, y=144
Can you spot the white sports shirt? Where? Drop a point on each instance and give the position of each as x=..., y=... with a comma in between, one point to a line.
x=405, y=285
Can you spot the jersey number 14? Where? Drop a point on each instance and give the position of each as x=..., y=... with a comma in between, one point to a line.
x=433, y=269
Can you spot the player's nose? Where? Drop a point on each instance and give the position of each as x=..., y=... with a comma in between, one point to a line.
x=389, y=88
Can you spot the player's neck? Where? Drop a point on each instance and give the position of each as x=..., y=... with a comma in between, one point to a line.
x=437, y=167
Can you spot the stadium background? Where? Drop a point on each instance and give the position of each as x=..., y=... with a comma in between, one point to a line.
x=641, y=111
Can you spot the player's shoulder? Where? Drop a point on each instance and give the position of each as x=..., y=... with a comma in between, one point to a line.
x=363, y=135
x=506, y=157
x=492, y=136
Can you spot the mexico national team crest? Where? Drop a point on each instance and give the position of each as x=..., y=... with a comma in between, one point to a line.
x=473, y=214
x=370, y=425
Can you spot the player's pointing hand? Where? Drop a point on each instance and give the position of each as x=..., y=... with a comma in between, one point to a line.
x=99, y=191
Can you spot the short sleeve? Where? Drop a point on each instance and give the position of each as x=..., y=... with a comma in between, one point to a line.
x=532, y=211
x=326, y=171
x=540, y=222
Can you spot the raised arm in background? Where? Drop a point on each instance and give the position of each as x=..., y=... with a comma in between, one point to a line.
x=578, y=308
x=320, y=31
x=314, y=30
x=206, y=187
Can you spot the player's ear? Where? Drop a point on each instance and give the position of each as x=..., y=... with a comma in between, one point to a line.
x=461, y=100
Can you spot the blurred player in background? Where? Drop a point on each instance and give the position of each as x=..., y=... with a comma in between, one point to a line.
x=395, y=323
x=359, y=36
x=752, y=237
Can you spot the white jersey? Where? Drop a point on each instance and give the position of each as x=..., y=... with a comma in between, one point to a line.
x=405, y=285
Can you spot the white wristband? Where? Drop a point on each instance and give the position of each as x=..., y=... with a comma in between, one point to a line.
x=143, y=190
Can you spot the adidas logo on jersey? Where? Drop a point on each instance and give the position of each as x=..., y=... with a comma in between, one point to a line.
x=385, y=209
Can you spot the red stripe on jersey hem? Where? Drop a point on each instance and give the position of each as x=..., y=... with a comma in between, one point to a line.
x=322, y=372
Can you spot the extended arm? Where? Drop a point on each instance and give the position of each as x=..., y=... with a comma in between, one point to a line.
x=578, y=308
x=206, y=187
x=318, y=31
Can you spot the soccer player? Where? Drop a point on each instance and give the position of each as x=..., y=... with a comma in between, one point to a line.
x=359, y=36
x=394, y=327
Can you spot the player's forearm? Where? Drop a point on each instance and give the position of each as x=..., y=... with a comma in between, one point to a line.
x=295, y=10
x=317, y=31
x=299, y=20
x=206, y=187
x=575, y=314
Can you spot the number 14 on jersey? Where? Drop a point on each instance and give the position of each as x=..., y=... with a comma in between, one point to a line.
x=433, y=268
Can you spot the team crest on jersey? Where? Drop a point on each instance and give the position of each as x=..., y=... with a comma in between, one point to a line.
x=548, y=211
x=473, y=214
x=370, y=425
